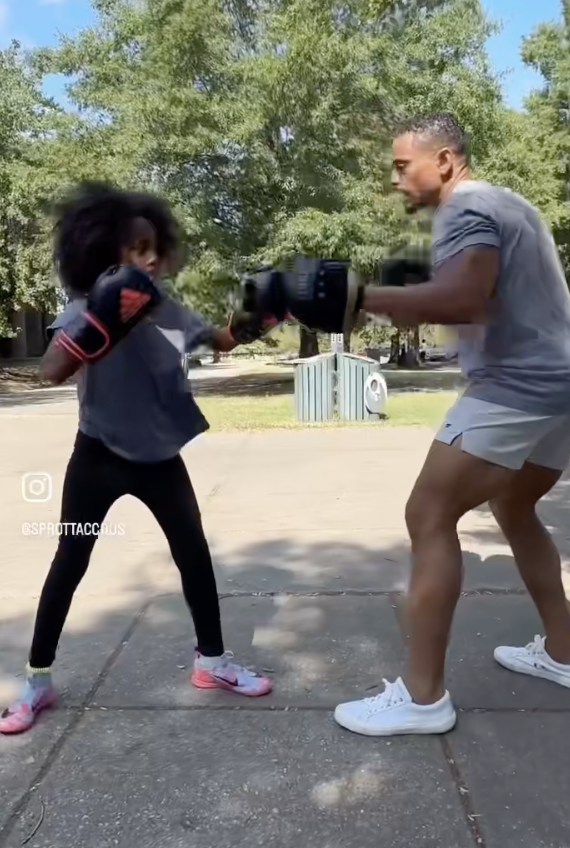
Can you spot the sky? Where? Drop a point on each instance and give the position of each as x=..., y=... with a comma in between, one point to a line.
x=38, y=22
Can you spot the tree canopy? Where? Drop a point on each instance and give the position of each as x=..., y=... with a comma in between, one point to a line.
x=266, y=124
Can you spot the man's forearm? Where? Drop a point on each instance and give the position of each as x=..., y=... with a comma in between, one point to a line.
x=460, y=292
x=411, y=306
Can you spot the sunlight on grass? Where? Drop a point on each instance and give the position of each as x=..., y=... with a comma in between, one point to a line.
x=277, y=411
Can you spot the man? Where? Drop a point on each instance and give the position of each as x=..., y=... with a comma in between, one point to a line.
x=498, y=277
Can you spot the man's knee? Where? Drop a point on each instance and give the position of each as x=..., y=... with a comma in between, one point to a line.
x=426, y=513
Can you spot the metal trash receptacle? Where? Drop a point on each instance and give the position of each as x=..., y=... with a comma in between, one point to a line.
x=353, y=376
x=314, y=388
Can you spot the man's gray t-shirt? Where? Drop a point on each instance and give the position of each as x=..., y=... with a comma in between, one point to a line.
x=521, y=357
x=136, y=399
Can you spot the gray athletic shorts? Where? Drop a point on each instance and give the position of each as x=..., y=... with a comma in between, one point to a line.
x=508, y=437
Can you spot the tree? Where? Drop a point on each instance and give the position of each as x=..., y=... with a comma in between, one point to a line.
x=547, y=50
x=29, y=122
x=267, y=124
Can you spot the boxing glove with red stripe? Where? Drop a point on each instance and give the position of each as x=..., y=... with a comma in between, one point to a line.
x=118, y=301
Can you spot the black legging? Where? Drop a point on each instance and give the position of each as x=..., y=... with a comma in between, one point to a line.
x=94, y=480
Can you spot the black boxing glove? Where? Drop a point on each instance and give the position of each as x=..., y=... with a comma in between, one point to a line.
x=322, y=294
x=248, y=327
x=117, y=302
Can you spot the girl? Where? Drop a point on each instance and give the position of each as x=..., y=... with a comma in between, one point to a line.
x=135, y=415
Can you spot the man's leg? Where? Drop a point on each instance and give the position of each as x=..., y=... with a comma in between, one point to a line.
x=535, y=553
x=450, y=484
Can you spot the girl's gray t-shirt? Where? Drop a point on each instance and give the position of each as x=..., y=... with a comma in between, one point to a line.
x=136, y=399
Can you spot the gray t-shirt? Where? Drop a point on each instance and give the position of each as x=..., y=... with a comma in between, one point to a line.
x=136, y=399
x=521, y=357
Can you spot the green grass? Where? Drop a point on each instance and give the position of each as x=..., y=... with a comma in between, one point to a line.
x=277, y=411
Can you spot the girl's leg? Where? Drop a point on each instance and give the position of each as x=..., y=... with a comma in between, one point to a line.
x=167, y=491
x=93, y=481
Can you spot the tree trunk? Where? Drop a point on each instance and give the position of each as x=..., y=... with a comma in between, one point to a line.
x=217, y=356
x=346, y=342
x=20, y=341
x=308, y=343
x=395, y=347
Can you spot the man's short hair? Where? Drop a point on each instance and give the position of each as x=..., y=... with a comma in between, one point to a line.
x=439, y=127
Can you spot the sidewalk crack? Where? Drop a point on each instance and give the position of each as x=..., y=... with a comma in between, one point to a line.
x=464, y=795
x=76, y=715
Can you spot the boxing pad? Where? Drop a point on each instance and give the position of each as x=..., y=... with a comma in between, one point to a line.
x=117, y=302
x=410, y=269
x=321, y=294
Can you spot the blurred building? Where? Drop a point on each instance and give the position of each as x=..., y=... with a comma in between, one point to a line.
x=30, y=326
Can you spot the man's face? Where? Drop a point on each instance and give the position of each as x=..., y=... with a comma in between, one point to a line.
x=419, y=170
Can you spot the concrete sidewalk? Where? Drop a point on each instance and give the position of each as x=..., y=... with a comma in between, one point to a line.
x=308, y=537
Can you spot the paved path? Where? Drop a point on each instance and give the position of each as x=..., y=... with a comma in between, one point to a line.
x=310, y=549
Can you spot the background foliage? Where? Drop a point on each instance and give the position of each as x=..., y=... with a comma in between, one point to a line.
x=266, y=123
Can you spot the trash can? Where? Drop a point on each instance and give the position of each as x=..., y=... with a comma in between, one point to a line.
x=362, y=390
x=314, y=388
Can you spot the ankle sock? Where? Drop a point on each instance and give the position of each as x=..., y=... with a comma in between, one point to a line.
x=33, y=672
x=207, y=663
x=37, y=679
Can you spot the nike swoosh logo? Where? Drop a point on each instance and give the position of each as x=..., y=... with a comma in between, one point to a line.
x=230, y=682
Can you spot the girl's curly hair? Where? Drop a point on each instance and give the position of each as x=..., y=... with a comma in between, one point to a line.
x=94, y=223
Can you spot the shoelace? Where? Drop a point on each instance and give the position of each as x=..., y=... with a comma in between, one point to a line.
x=536, y=647
x=390, y=697
x=230, y=662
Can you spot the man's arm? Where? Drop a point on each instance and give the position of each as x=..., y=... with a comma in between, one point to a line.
x=458, y=293
x=466, y=243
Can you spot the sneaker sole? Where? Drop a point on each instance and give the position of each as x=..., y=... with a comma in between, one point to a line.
x=530, y=671
x=416, y=730
x=227, y=687
x=48, y=705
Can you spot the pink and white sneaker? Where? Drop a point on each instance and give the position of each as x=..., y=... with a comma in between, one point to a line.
x=227, y=673
x=22, y=715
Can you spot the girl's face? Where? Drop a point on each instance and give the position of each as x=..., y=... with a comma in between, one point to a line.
x=142, y=251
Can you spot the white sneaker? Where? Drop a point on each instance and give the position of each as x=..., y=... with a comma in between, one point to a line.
x=392, y=713
x=535, y=661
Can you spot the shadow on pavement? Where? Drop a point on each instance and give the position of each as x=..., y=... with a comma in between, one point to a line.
x=553, y=509
x=136, y=753
x=244, y=384
x=37, y=397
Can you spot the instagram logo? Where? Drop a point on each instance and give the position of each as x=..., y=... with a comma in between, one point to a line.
x=36, y=487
